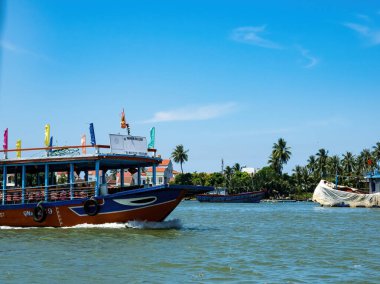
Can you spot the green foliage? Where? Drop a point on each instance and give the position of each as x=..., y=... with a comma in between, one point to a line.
x=199, y=178
x=62, y=179
x=184, y=179
x=215, y=179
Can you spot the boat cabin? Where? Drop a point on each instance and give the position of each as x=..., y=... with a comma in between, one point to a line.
x=34, y=179
x=373, y=178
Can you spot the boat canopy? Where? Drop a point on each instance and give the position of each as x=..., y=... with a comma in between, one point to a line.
x=81, y=163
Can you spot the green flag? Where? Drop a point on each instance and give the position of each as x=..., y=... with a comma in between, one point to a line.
x=152, y=138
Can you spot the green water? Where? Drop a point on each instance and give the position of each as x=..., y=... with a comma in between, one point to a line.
x=204, y=243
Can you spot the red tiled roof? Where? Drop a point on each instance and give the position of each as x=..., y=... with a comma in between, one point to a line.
x=158, y=170
x=164, y=163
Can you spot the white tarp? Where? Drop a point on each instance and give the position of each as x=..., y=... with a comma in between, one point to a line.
x=127, y=144
x=326, y=195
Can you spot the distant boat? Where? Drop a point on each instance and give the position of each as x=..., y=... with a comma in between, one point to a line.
x=246, y=197
x=329, y=194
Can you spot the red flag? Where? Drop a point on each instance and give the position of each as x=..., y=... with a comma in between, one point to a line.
x=5, y=143
x=123, y=123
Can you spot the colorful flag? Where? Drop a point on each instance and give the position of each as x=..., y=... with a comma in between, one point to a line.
x=83, y=143
x=152, y=138
x=47, y=135
x=5, y=143
x=92, y=133
x=18, y=147
x=123, y=123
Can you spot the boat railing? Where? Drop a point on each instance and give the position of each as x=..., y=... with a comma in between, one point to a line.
x=52, y=193
x=50, y=150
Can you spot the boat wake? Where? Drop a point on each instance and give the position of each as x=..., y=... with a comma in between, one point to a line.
x=165, y=225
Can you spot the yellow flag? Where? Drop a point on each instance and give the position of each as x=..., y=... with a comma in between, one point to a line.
x=18, y=146
x=47, y=135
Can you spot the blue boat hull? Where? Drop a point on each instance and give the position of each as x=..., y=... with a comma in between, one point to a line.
x=248, y=197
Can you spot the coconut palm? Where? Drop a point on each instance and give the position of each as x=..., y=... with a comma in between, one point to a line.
x=228, y=173
x=311, y=164
x=280, y=155
x=376, y=153
x=179, y=155
x=348, y=163
x=321, y=160
x=302, y=179
x=237, y=167
x=333, y=165
x=364, y=162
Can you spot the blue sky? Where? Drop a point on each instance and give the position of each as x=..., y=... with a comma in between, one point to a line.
x=224, y=78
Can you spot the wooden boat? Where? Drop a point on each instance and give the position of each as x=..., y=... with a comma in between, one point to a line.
x=329, y=194
x=246, y=197
x=48, y=204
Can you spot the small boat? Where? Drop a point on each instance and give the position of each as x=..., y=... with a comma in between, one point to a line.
x=246, y=197
x=329, y=194
x=36, y=199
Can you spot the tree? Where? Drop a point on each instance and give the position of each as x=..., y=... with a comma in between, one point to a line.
x=333, y=165
x=348, y=163
x=280, y=155
x=199, y=178
x=237, y=168
x=364, y=162
x=322, y=156
x=184, y=179
x=376, y=153
x=215, y=179
x=228, y=172
x=179, y=155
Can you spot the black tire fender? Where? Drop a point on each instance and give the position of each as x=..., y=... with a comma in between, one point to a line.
x=91, y=207
x=39, y=213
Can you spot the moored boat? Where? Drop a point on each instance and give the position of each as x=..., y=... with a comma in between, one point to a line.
x=246, y=197
x=37, y=200
x=329, y=194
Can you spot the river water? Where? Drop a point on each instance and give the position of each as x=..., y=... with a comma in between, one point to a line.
x=204, y=243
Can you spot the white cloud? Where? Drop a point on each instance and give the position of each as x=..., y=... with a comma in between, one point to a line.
x=9, y=46
x=193, y=113
x=250, y=35
x=371, y=34
x=312, y=60
x=364, y=17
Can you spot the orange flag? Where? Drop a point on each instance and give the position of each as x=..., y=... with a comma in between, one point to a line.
x=123, y=123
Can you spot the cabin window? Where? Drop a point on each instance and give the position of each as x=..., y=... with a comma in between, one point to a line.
x=10, y=179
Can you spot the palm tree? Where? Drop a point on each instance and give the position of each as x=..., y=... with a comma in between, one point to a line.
x=376, y=152
x=364, y=162
x=348, y=163
x=237, y=167
x=333, y=165
x=321, y=160
x=179, y=155
x=311, y=164
x=228, y=173
x=280, y=155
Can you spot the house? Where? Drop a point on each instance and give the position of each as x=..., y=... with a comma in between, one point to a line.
x=164, y=172
x=130, y=179
x=250, y=171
